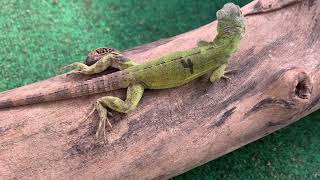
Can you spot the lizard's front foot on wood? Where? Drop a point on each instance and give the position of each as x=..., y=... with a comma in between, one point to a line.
x=229, y=72
x=102, y=62
x=79, y=68
x=84, y=69
x=221, y=73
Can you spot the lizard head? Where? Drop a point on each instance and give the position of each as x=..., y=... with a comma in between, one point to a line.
x=231, y=21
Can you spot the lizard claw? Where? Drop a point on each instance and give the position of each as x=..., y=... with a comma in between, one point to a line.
x=58, y=71
x=79, y=67
x=232, y=71
x=73, y=72
x=68, y=66
x=102, y=126
x=225, y=75
x=110, y=114
x=89, y=114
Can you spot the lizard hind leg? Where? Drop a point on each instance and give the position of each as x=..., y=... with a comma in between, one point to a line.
x=134, y=94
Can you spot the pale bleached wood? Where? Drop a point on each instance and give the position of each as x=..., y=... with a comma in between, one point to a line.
x=178, y=129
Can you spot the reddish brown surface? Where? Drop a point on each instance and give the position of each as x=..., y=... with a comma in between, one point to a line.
x=175, y=130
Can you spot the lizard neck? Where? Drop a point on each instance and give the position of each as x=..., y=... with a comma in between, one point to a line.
x=221, y=48
x=226, y=43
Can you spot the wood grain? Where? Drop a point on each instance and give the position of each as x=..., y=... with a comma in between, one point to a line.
x=174, y=130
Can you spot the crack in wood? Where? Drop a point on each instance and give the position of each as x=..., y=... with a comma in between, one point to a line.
x=270, y=102
x=226, y=115
x=259, y=9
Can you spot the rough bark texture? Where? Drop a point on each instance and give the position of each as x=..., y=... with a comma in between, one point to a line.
x=174, y=130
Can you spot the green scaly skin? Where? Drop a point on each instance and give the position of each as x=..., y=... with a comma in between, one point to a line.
x=168, y=71
x=177, y=68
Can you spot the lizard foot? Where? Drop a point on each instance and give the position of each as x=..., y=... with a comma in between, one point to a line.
x=102, y=122
x=225, y=75
x=89, y=114
x=134, y=94
x=101, y=127
x=232, y=71
x=79, y=67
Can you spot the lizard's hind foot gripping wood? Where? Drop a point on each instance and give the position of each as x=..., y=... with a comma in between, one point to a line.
x=134, y=94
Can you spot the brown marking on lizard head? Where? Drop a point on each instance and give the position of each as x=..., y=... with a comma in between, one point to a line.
x=97, y=54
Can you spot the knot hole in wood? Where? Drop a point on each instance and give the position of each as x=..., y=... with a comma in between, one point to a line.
x=302, y=85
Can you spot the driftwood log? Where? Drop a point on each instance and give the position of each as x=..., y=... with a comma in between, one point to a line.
x=174, y=130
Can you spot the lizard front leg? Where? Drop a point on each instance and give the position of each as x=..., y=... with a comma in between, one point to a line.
x=113, y=59
x=134, y=94
x=219, y=73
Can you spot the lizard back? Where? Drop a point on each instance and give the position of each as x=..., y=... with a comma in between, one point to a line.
x=181, y=67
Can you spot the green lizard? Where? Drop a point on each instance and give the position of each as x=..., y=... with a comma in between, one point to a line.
x=168, y=71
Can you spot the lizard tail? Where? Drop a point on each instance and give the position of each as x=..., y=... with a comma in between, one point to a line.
x=101, y=84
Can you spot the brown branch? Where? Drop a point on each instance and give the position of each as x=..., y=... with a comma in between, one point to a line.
x=267, y=6
x=177, y=129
